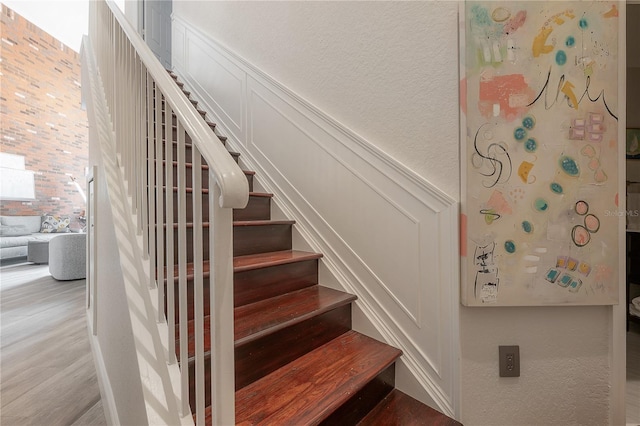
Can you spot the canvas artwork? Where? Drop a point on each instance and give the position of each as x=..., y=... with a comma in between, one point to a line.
x=540, y=163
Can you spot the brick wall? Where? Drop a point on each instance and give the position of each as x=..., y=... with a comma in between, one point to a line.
x=41, y=116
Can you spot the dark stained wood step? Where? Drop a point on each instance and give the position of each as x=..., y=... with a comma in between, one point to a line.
x=205, y=175
x=309, y=389
x=255, y=321
x=399, y=409
x=188, y=152
x=202, y=113
x=364, y=400
x=190, y=232
x=266, y=260
x=260, y=236
x=257, y=358
x=285, y=328
x=264, y=275
x=258, y=207
x=190, y=271
x=258, y=319
x=273, y=332
x=188, y=140
x=174, y=127
x=168, y=280
x=256, y=277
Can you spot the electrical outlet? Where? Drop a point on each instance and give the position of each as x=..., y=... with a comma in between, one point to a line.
x=509, y=361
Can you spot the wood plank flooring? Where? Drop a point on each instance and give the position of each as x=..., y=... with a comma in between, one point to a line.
x=47, y=374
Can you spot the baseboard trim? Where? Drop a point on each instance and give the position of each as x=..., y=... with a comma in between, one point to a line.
x=106, y=391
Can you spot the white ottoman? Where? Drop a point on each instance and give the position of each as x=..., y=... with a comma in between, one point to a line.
x=38, y=251
x=67, y=257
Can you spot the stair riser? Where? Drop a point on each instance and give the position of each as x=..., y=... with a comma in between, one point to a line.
x=261, y=239
x=258, y=208
x=188, y=153
x=190, y=303
x=190, y=250
x=187, y=138
x=319, y=332
x=202, y=113
x=253, y=286
x=259, y=284
x=258, y=358
x=364, y=400
x=189, y=177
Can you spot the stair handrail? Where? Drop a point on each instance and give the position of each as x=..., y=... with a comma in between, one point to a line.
x=141, y=101
x=231, y=179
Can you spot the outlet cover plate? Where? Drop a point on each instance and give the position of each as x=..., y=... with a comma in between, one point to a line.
x=509, y=361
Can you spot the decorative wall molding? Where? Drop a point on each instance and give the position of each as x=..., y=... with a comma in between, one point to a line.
x=387, y=234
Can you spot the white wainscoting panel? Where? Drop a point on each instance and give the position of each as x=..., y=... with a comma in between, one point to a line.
x=387, y=235
x=178, y=39
x=216, y=82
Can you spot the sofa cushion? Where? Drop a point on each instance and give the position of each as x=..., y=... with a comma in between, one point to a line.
x=32, y=223
x=55, y=224
x=15, y=241
x=13, y=231
x=24, y=239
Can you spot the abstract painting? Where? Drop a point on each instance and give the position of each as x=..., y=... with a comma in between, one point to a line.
x=540, y=216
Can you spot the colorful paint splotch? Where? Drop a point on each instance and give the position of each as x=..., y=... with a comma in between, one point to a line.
x=510, y=93
x=540, y=115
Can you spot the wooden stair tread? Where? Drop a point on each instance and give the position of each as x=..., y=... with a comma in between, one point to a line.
x=242, y=223
x=264, y=260
x=257, y=319
x=256, y=261
x=189, y=190
x=175, y=126
x=189, y=225
x=309, y=389
x=190, y=271
x=189, y=165
x=399, y=409
x=262, y=222
x=268, y=316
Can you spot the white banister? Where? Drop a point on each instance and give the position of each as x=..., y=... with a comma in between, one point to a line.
x=198, y=282
x=150, y=117
x=182, y=266
x=232, y=181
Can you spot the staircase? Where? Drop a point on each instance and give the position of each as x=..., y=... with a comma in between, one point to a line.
x=297, y=360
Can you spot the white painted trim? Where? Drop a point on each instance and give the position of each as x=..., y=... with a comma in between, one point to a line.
x=387, y=182
x=106, y=392
x=157, y=377
x=618, y=343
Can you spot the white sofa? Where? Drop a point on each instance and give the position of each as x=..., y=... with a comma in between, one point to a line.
x=17, y=231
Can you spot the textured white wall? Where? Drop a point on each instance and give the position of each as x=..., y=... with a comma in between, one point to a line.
x=389, y=72
x=365, y=63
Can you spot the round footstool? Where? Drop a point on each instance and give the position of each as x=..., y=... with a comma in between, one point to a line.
x=38, y=251
x=67, y=257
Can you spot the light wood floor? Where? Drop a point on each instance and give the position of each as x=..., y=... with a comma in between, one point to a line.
x=47, y=374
